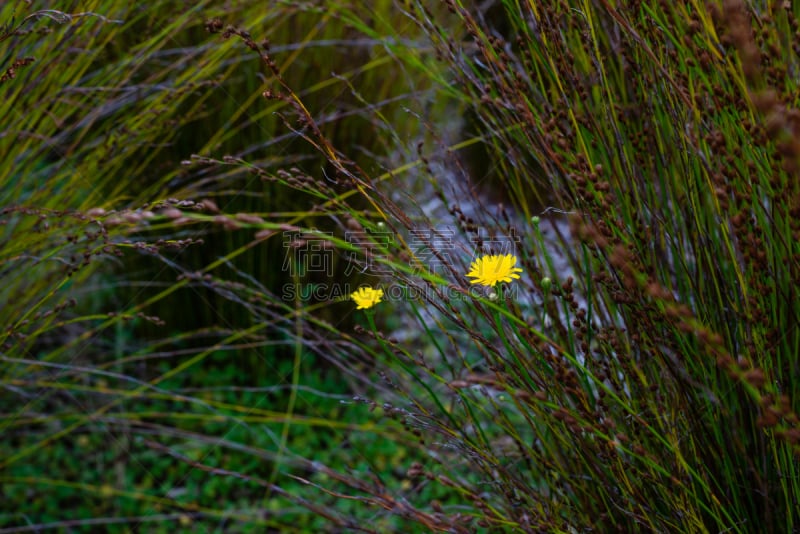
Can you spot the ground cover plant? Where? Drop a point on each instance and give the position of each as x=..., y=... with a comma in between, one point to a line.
x=490, y=266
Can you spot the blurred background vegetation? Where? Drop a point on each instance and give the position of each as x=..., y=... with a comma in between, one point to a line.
x=171, y=360
x=114, y=116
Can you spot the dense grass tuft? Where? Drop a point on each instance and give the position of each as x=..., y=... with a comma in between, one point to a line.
x=191, y=195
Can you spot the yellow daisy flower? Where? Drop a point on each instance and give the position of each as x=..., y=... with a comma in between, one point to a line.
x=366, y=297
x=489, y=269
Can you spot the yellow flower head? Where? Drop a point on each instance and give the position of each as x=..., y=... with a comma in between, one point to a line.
x=488, y=270
x=366, y=297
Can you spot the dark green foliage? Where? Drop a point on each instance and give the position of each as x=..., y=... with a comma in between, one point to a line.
x=172, y=360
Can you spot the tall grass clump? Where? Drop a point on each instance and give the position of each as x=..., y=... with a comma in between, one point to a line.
x=641, y=374
x=652, y=384
x=573, y=225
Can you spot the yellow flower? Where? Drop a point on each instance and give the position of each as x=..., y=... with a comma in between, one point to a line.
x=366, y=297
x=488, y=270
